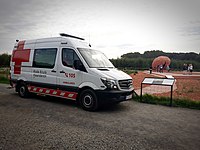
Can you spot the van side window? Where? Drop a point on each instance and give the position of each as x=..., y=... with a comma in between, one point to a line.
x=68, y=57
x=44, y=58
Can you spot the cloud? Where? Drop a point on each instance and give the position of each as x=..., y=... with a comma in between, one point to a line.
x=191, y=31
x=115, y=24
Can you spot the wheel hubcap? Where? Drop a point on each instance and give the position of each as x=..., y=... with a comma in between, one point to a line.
x=87, y=100
x=22, y=90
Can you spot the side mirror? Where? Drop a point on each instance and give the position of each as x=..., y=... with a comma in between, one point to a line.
x=78, y=65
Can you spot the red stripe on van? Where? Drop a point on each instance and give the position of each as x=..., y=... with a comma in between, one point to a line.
x=20, y=55
x=52, y=92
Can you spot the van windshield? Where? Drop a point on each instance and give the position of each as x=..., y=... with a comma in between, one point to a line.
x=95, y=59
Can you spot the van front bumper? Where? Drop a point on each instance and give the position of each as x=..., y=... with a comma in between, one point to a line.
x=114, y=96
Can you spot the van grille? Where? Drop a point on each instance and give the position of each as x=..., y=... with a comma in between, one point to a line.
x=125, y=84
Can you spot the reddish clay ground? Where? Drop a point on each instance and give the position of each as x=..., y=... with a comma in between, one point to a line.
x=138, y=78
x=188, y=88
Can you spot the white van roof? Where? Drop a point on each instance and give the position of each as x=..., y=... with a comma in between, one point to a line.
x=70, y=40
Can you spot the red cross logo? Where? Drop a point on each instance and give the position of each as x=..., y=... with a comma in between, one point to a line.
x=20, y=55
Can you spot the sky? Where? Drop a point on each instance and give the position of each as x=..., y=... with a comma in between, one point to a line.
x=115, y=27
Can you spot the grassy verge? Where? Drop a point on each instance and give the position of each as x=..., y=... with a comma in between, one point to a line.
x=4, y=75
x=185, y=103
x=4, y=80
x=130, y=71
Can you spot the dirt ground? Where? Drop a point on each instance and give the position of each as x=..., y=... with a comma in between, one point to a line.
x=138, y=78
x=51, y=123
x=187, y=86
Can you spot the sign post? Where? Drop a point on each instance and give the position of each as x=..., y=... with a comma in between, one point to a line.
x=160, y=82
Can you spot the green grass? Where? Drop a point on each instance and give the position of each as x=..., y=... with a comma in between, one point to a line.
x=130, y=71
x=185, y=103
x=4, y=72
x=4, y=80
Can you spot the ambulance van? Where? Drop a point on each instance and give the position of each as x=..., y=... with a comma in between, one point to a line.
x=67, y=67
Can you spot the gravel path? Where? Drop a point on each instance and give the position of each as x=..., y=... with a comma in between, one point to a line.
x=49, y=123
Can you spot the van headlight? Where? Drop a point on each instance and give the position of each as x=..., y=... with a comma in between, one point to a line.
x=109, y=83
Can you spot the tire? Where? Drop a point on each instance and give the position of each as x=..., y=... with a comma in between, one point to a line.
x=88, y=100
x=23, y=90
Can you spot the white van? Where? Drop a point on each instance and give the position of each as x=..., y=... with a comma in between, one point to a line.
x=67, y=67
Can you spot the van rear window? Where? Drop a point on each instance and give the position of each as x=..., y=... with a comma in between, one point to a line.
x=44, y=58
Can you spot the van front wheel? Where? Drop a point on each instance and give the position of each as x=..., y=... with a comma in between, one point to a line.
x=88, y=100
x=23, y=90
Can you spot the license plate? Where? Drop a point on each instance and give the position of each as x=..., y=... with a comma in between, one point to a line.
x=129, y=96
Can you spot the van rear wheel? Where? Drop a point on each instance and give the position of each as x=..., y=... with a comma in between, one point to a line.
x=23, y=90
x=88, y=100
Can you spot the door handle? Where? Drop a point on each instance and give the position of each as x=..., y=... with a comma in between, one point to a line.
x=62, y=71
x=53, y=71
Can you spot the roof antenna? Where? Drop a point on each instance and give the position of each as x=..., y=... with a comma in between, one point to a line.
x=89, y=40
x=72, y=36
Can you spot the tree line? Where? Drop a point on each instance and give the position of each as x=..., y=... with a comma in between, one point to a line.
x=137, y=61
x=155, y=53
x=5, y=60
